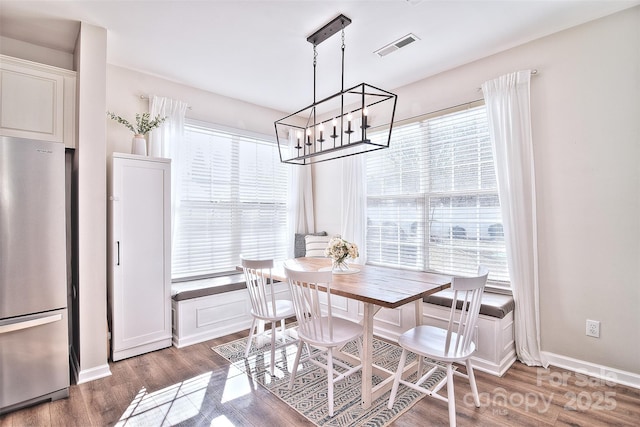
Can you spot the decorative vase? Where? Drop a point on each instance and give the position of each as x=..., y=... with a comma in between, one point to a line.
x=339, y=265
x=139, y=145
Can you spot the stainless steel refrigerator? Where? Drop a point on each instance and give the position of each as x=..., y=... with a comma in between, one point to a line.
x=34, y=350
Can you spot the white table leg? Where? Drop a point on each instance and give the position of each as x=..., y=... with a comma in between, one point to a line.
x=367, y=356
x=419, y=312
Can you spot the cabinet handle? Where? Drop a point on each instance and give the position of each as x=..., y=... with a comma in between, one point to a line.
x=118, y=252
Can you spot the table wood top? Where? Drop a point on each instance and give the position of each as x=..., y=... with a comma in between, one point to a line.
x=382, y=286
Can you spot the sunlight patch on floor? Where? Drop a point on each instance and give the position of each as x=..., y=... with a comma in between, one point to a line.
x=168, y=406
x=221, y=421
x=236, y=386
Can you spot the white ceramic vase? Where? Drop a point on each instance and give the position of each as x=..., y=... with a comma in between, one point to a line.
x=139, y=145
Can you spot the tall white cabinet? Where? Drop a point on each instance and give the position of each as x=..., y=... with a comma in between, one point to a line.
x=140, y=255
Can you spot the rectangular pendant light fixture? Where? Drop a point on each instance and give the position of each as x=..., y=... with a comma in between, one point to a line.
x=340, y=125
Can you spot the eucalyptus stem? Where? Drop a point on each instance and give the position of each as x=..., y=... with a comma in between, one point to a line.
x=143, y=125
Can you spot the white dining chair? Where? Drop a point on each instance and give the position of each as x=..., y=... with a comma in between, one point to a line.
x=323, y=332
x=264, y=305
x=453, y=344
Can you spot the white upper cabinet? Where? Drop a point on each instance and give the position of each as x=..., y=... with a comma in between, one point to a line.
x=37, y=101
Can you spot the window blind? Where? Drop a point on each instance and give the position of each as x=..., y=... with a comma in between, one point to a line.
x=232, y=201
x=432, y=198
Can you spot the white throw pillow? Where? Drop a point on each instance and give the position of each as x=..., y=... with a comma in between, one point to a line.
x=315, y=245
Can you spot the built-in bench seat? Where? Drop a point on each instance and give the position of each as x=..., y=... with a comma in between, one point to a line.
x=210, y=308
x=495, y=334
x=494, y=305
x=201, y=288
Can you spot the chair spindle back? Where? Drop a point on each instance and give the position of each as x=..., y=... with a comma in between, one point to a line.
x=307, y=289
x=257, y=275
x=467, y=297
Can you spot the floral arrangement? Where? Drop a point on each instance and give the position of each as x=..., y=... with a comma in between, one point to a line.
x=143, y=124
x=339, y=249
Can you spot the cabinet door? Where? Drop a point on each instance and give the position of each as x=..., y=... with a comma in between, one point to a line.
x=31, y=103
x=37, y=101
x=141, y=294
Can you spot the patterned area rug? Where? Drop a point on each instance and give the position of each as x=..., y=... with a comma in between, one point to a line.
x=309, y=393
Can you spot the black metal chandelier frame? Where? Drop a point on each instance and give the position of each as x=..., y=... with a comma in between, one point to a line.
x=301, y=135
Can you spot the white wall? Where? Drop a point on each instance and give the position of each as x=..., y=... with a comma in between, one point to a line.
x=123, y=98
x=32, y=52
x=586, y=133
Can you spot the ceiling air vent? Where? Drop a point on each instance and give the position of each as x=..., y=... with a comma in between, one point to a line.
x=393, y=46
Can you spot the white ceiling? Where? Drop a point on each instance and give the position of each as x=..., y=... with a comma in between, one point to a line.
x=257, y=51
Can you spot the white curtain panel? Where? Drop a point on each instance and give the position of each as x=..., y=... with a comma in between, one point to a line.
x=300, y=200
x=165, y=141
x=508, y=110
x=354, y=199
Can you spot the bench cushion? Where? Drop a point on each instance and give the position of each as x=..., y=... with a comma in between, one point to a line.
x=494, y=305
x=201, y=288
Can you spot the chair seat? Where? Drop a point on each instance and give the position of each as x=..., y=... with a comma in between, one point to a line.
x=430, y=341
x=343, y=332
x=284, y=309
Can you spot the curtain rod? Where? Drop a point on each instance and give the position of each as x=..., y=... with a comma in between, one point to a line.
x=146, y=97
x=534, y=72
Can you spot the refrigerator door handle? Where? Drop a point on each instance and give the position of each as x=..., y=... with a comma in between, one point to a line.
x=6, y=327
x=118, y=252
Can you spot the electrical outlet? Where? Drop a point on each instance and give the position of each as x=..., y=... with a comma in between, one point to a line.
x=593, y=328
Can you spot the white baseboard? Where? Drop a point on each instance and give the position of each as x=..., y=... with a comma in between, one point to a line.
x=598, y=371
x=95, y=373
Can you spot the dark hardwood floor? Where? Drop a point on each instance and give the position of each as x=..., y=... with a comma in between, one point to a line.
x=195, y=386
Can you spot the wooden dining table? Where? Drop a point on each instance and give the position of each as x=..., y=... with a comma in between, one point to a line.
x=376, y=287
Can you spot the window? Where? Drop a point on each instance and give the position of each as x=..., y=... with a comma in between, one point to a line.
x=232, y=200
x=432, y=198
